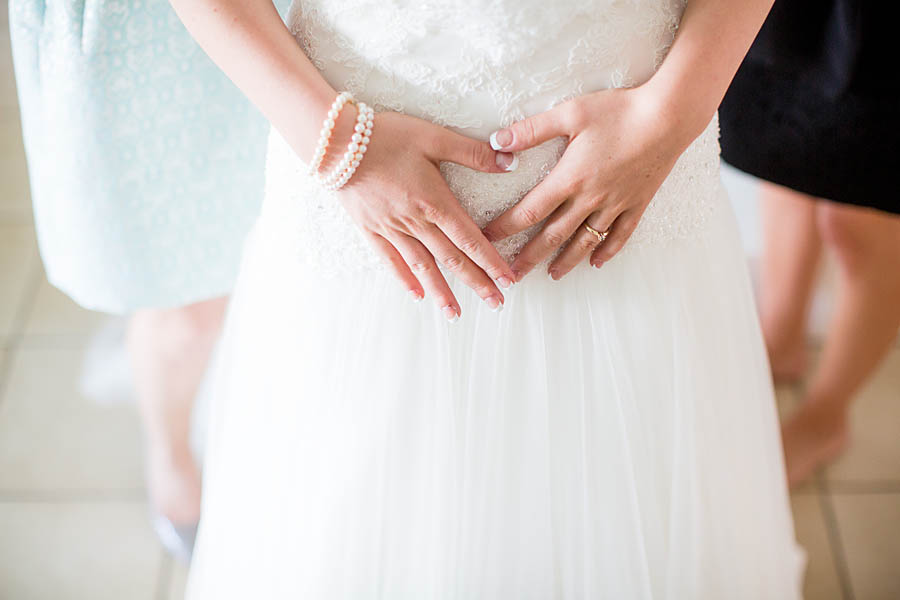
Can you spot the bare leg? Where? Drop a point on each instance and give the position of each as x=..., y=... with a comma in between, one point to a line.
x=866, y=244
x=169, y=351
x=790, y=258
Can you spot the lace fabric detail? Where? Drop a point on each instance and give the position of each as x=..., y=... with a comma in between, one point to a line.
x=475, y=67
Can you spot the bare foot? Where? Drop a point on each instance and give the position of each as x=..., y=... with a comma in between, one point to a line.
x=174, y=488
x=813, y=436
x=789, y=363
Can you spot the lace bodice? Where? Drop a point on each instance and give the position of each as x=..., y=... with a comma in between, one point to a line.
x=475, y=66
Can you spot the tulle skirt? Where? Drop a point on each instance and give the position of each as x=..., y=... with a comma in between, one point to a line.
x=609, y=435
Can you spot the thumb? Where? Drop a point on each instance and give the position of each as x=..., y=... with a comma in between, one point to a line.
x=453, y=147
x=529, y=132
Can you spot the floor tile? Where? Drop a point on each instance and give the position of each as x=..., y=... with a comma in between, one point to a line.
x=178, y=582
x=875, y=451
x=821, y=581
x=7, y=77
x=79, y=551
x=18, y=257
x=15, y=205
x=10, y=136
x=54, y=313
x=13, y=174
x=869, y=526
x=53, y=438
x=14, y=198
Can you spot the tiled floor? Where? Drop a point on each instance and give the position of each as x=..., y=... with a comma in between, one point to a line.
x=848, y=518
x=73, y=518
x=73, y=515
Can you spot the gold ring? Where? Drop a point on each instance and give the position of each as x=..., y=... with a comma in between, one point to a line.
x=601, y=235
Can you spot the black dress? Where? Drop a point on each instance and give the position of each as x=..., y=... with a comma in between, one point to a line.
x=815, y=105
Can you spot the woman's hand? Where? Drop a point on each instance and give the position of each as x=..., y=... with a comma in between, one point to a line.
x=397, y=194
x=621, y=144
x=405, y=208
x=621, y=148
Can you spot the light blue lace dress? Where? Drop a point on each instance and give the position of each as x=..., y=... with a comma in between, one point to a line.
x=146, y=162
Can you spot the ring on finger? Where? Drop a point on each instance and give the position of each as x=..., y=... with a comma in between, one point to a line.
x=601, y=235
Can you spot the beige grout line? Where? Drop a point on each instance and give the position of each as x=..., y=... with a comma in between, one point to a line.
x=820, y=486
x=846, y=487
x=74, y=496
x=23, y=311
x=838, y=553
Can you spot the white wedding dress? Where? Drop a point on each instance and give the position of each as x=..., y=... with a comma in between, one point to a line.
x=610, y=435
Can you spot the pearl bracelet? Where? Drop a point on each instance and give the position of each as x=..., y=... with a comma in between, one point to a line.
x=356, y=149
x=327, y=129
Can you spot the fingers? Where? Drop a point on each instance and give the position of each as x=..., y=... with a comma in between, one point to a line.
x=558, y=228
x=422, y=265
x=536, y=206
x=582, y=244
x=532, y=130
x=455, y=261
x=465, y=235
x=398, y=265
x=621, y=230
x=450, y=146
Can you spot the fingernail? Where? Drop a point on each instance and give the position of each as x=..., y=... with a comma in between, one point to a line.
x=493, y=302
x=553, y=275
x=450, y=313
x=507, y=161
x=415, y=295
x=500, y=139
x=597, y=264
x=517, y=274
x=504, y=281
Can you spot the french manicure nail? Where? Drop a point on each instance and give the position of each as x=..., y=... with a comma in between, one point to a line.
x=501, y=138
x=504, y=281
x=415, y=295
x=497, y=308
x=507, y=161
x=450, y=313
x=493, y=302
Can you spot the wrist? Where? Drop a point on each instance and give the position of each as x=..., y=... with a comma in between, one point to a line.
x=682, y=112
x=340, y=137
x=300, y=121
x=331, y=168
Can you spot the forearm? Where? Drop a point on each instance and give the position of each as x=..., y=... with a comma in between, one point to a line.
x=712, y=40
x=250, y=43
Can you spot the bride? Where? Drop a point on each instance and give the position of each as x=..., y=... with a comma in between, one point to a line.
x=611, y=433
